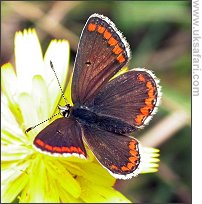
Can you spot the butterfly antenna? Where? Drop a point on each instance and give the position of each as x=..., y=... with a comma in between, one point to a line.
x=31, y=128
x=51, y=64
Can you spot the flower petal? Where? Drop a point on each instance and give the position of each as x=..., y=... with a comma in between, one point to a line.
x=37, y=180
x=68, y=91
x=66, y=197
x=29, y=113
x=9, y=88
x=10, y=170
x=122, y=71
x=92, y=193
x=95, y=173
x=13, y=184
x=51, y=196
x=150, y=160
x=9, y=81
x=58, y=54
x=41, y=99
x=28, y=56
x=10, y=129
x=61, y=175
x=14, y=152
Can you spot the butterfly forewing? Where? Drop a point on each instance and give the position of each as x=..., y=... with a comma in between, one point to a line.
x=101, y=53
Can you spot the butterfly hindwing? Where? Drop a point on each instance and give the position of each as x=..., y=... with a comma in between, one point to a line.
x=101, y=53
x=119, y=154
x=131, y=97
x=61, y=137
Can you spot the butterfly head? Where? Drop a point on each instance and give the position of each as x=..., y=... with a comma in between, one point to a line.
x=64, y=110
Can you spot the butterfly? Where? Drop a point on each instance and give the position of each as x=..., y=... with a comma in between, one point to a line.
x=106, y=110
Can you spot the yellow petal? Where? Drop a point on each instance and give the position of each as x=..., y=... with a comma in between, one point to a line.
x=149, y=170
x=29, y=113
x=92, y=193
x=149, y=160
x=58, y=54
x=75, y=169
x=13, y=187
x=8, y=81
x=28, y=57
x=122, y=71
x=61, y=175
x=51, y=193
x=37, y=179
x=94, y=172
x=11, y=170
x=65, y=197
x=41, y=186
x=9, y=87
x=68, y=91
x=10, y=128
x=14, y=152
x=41, y=98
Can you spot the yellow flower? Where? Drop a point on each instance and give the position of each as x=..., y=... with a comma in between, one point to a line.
x=30, y=96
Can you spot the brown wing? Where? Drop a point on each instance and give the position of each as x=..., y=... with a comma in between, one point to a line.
x=62, y=137
x=132, y=97
x=101, y=53
x=119, y=154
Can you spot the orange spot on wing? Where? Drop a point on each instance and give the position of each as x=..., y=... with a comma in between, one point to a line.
x=141, y=78
x=148, y=101
x=73, y=149
x=101, y=29
x=117, y=50
x=80, y=151
x=77, y=149
x=149, y=84
x=151, y=92
x=124, y=168
x=145, y=110
x=132, y=145
x=114, y=167
x=40, y=142
x=107, y=34
x=130, y=165
x=133, y=153
x=139, y=118
x=91, y=27
x=48, y=147
x=112, y=41
x=65, y=149
x=132, y=159
x=57, y=149
x=121, y=58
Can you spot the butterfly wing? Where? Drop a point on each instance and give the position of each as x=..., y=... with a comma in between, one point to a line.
x=119, y=154
x=131, y=97
x=62, y=137
x=101, y=53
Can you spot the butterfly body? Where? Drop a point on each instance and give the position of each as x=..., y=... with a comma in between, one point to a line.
x=86, y=116
x=105, y=109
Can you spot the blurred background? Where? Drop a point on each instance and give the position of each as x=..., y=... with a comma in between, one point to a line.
x=159, y=33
